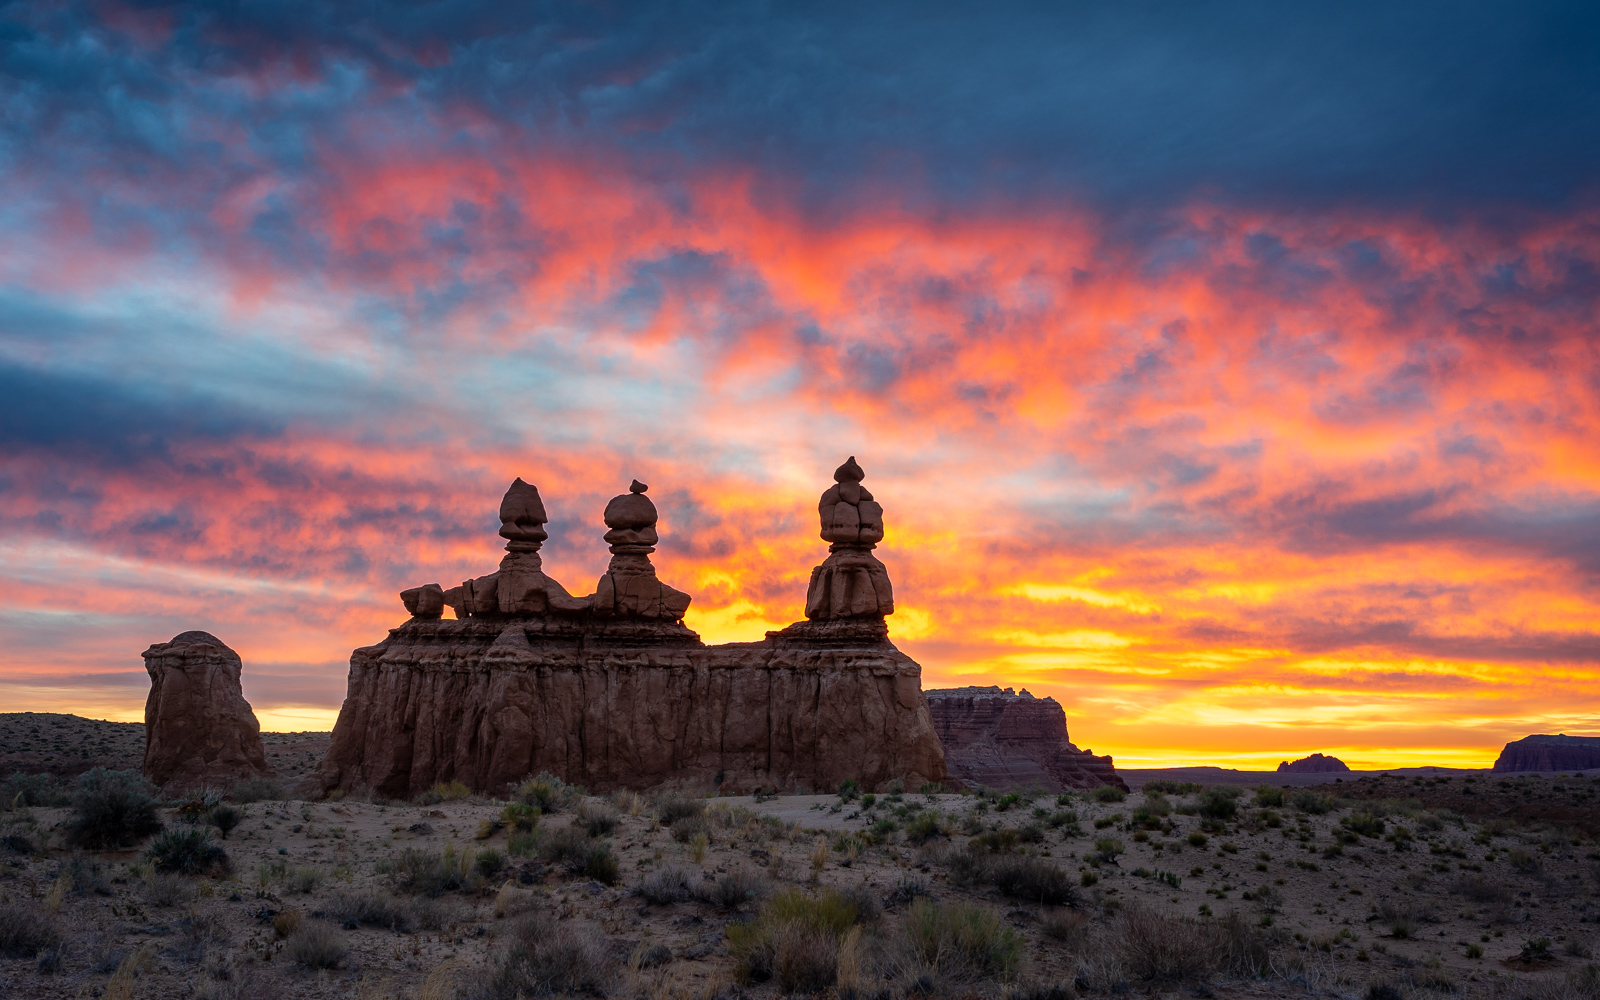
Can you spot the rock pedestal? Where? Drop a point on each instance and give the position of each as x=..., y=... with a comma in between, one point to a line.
x=999, y=739
x=199, y=730
x=851, y=582
x=613, y=691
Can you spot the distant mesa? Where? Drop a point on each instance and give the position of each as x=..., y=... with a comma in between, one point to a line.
x=1002, y=739
x=1315, y=764
x=1550, y=753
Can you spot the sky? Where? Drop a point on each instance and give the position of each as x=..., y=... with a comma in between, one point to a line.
x=1228, y=372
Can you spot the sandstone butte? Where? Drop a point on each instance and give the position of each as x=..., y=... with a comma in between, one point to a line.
x=199, y=730
x=1000, y=739
x=613, y=691
x=1550, y=753
x=1315, y=764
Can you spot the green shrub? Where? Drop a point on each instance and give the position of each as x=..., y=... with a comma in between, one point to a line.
x=112, y=809
x=196, y=808
x=523, y=845
x=1197, y=839
x=1032, y=879
x=686, y=828
x=225, y=818
x=564, y=845
x=1269, y=797
x=924, y=828
x=1107, y=849
x=186, y=850
x=733, y=890
x=1219, y=803
x=427, y=873
x=663, y=886
x=1310, y=801
x=1001, y=841
x=549, y=793
x=1006, y=801
x=489, y=862
x=961, y=942
x=1108, y=793
x=600, y=864
x=849, y=790
x=552, y=959
x=671, y=809
x=519, y=817
x=1367, y=824
x=351, y=910
x=1172, y=787
x=32, y=790
x=794, y=939
x=449, y=791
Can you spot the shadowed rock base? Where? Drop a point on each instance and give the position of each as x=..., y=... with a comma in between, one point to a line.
x=199, y=730
x=629, y=704
x=1003, y=740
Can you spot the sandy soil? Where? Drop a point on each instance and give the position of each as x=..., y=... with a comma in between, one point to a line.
x=1409, y=910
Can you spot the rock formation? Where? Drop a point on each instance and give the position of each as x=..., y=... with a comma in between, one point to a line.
x=1000, y=739
x=629, y=588
x=1550, y=753
x=614, y=691
x=1315, y=764
x=199, y=730
x=851, y=582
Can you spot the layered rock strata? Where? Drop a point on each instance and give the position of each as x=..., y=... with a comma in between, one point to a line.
x=614, y=691
x=199, y=730
x=1550, y=753
x=1001, y=739
x=1315, y=764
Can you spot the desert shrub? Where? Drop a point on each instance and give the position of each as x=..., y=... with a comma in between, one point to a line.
x=1198, y=839
x=186, y=850
x=924, y=828
x=427, y=873
x=1400, y=919
x=908, y=889
x=1155, y=947
x=1366, y=824
x=251, y=790
x=84, y=875
x=663, y=886
x=112, y=809
x=1067, y=926
x=849, y=790
x=967, y=867
x=19, y=843
x=551, y=959
x=1172, y=787
x=225, y=818
x=1001, y=841
x=1219, y=803
x=794, y=939
x=26, y=929
x=1107, y=793
x=671, y=808
x=1238, y=947
x=1033, y=879
x=433, y=914
x=1106, y=849
x=564, y=845
x=197, y=932
x=197, y=807
x=302, y=880
x=32, y=790
x=519, y=817
x=523, y=845
x=489, y=862
x=961, y=942
x=599, y=864
x=450, y=791
x=365, y=909
x=1525, y=863
x=165, y=889
x=733, y=890
x=597, y=818
x=1310, y=801
x=686, y=828
x=1483, y=891
x=315, y=945
x=549, y=793
x=1269, y=797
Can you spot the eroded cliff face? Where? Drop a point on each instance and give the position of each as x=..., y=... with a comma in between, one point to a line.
x=1550, y=753
x=488, y=701
x=999, y=739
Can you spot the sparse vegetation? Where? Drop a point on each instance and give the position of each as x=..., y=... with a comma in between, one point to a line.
x=552, y=959
x=186, y=850
x=315, y=945
x=962, y=942
x=794, y=940
x=112, y=809
x=26, y=929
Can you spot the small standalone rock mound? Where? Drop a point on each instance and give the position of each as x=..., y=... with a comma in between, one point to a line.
x=1001, y=739
x=199, y=730
x=1315, y=764
x=1550, y=753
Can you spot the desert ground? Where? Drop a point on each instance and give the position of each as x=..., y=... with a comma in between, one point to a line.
x=1417, y=887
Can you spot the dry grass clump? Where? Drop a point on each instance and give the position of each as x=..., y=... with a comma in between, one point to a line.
x=315, y=945
x=597, y=818
x=686, y=828
x=572, y=847
x=26, y=929
x=795, y=940
x=550, y=959
x=1156, y=947
x=960, y=942
x=663, y=886
x=733, y=890
x=1032, y=879
x=112, y=809
x=671, y=808
x=366, y=909
x=426, y=873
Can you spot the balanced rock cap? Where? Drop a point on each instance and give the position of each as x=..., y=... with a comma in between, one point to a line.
x=631, y=510
x=849, y=472
x=522, y=516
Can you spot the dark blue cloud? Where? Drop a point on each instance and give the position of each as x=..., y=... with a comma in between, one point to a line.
x=1128, y=104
